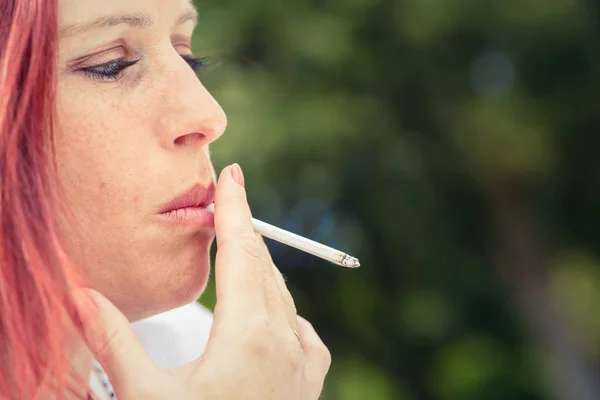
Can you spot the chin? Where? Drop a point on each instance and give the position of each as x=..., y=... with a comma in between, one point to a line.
x=170, y=295
x=178, y=281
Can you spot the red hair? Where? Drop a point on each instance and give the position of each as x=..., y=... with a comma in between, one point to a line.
x=35, y=278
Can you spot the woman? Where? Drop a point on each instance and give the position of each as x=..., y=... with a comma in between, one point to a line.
x=105, y=176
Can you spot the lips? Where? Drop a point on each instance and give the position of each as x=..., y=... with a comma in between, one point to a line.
x=190, y=208
x=197, y=197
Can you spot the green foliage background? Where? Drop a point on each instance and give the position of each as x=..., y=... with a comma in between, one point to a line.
x=451, y=146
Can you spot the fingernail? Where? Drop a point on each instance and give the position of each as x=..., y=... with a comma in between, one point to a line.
x=237, y=174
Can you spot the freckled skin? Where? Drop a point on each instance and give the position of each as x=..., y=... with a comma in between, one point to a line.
x=126, y=147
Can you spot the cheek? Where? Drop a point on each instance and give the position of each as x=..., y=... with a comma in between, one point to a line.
x=94, y=151
x=96, y=175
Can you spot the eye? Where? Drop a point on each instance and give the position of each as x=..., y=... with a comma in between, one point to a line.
x=108, y=71
x=111, y=70
x=197, y=64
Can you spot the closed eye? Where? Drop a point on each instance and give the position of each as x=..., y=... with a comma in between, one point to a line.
x=108, y=71
x=198, y=64
x=112, y=70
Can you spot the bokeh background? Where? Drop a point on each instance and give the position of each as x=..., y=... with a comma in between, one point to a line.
x=452, y=146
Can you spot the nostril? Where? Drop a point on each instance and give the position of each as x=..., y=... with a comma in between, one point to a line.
x=191, y=139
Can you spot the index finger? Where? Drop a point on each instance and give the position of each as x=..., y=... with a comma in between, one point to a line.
x=112, y=341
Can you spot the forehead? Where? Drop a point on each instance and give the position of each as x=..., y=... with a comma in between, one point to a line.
x=72, y=12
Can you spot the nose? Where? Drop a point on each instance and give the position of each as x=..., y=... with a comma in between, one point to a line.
x=188, y=116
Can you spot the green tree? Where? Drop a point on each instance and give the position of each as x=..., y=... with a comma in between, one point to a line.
x=451, y=146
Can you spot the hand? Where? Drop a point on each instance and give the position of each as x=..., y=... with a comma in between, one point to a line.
x=258, y=347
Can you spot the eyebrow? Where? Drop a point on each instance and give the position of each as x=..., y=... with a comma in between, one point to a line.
x=138, y=21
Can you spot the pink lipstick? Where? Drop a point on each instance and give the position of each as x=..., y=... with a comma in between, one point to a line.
x=189, y=208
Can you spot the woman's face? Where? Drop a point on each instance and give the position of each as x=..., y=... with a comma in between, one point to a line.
x=132, y=132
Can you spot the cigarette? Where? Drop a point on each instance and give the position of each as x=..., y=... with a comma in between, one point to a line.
x=301, y=243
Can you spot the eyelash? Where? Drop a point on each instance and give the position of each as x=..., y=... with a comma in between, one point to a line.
x=112, y=69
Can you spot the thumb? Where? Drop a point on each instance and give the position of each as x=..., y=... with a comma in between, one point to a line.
x=108, y=334
x=235, y=235
x=232, y=213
